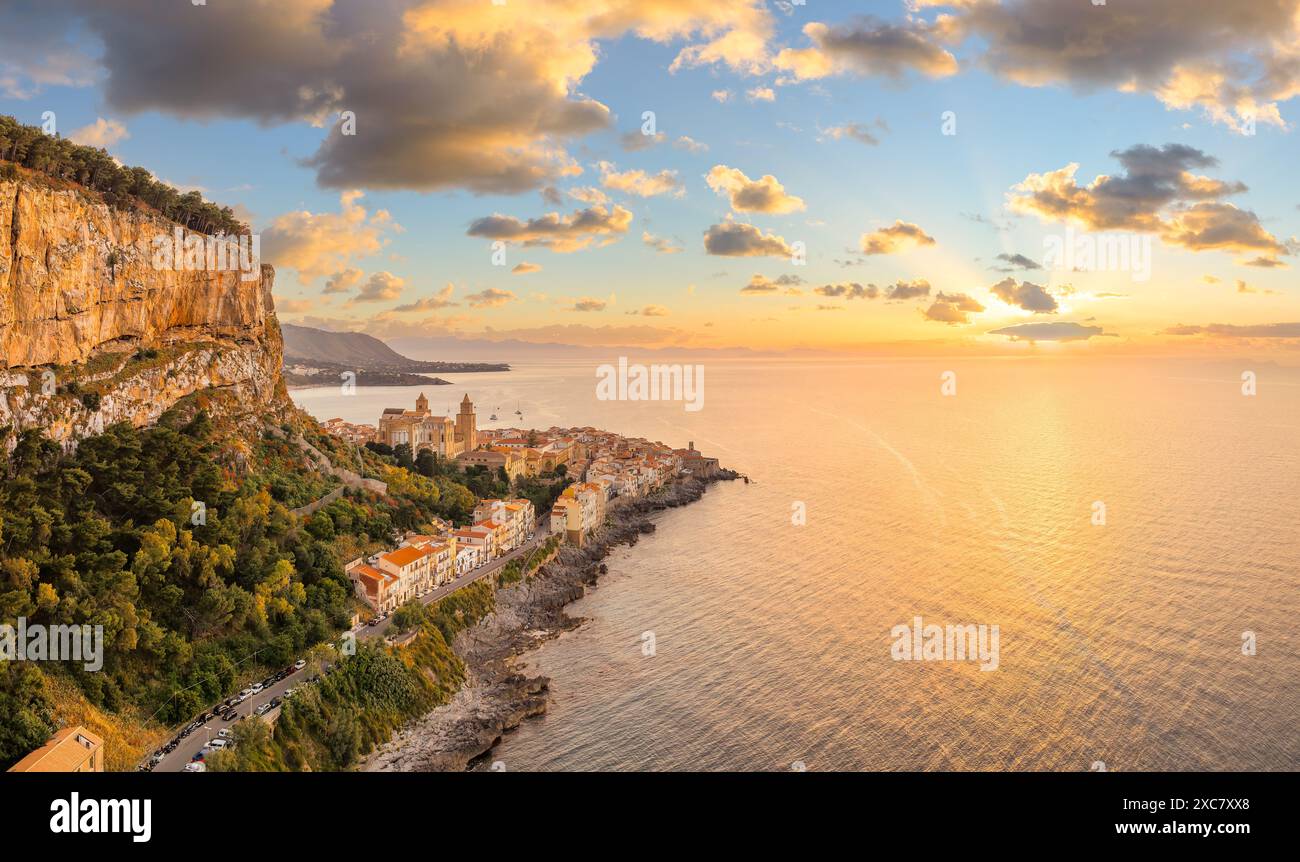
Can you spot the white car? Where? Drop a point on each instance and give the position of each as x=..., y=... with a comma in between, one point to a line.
x=255, y=688
x=196, y=766
x=218, y=744
x=299, y=664
x=224, y=733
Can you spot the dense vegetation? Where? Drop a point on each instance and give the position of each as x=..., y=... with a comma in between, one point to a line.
x=193, y=599
x=363, y=699
x=179, y=540
x=121, y=186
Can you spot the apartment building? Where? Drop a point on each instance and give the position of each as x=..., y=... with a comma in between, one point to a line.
x=579, y=512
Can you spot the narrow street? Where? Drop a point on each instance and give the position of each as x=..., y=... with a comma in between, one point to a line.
x=176, y=760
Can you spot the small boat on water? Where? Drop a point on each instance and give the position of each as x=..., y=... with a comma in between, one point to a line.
x=492, y=418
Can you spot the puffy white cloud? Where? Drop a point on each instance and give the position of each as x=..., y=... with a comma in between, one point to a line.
x=899, y=237
x=848, y=290
x=1026, y=295
x=558, y=233
x=639, y=183
x=764, y=195
x=446, y=93
x=344, y=280
x=761, y=285
x=869, y=46
x=588, y=303
x=952, y=308
x=737, y=239
x=101, y=133
x=1236, y=61
x=492, y=297
x=380, y=287
x=1158, y=193
x=317, y=244
x=908, y=289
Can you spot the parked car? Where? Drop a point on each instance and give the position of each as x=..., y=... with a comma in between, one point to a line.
x=300, y=664
x=218, y=744
x=263, y=709
x=289, y=692
x=196, y=766
x=244, y=695
x=229, y=715
x=275, y=701
x=256, y=687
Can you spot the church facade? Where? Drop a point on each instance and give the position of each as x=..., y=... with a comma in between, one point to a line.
x=421, y=430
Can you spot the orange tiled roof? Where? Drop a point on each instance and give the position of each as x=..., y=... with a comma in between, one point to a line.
x=63, y=753
x=405, y=556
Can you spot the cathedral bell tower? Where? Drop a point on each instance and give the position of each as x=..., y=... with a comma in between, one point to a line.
x=466, y=428
x=422, y=404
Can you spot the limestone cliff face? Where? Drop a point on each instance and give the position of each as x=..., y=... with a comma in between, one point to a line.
x=94, y=330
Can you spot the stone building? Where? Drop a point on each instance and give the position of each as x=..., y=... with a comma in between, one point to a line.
x=421, y=430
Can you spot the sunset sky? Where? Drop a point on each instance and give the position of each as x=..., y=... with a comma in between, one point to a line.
x=825, y=123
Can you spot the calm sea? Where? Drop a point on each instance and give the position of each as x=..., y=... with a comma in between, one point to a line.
x=1120, y=643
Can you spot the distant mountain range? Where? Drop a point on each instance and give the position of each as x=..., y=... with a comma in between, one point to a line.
x=316, y=357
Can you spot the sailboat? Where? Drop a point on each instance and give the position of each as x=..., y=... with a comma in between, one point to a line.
x=518, y=412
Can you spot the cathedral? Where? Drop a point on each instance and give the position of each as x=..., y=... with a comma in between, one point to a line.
x=421, y=430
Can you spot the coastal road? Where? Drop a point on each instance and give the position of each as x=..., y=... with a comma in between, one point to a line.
x=176, y=760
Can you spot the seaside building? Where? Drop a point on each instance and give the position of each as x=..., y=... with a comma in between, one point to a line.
x=72, y=749
x=482, y=537
x=468, y=558
x=579, y=512
x=517, y=517
x=441, y=551
x=411, y=566
x=421, y=430
x=376, y=588
x=695, y=463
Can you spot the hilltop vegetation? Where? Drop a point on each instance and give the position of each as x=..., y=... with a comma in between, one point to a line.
x=121, y=186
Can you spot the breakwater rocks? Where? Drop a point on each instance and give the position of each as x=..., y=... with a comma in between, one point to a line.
x=496, y=697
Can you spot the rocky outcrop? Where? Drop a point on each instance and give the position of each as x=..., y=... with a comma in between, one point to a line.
x=98, y=325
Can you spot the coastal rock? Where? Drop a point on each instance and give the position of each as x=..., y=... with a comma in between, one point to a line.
x=468, y=726
x=91, y=333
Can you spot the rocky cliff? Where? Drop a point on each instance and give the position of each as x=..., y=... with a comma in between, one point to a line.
x=98, y=325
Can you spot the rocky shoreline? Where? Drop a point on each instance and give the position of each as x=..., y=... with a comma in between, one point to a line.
x=496, y=698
